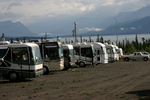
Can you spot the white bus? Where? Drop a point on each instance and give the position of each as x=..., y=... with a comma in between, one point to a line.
x=101, y=53
x=20, y=61
x=112, y=53
x=84, y=54
x=69, y=58
x=52, y=54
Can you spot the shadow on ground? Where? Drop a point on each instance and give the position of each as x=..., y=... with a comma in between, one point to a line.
x=142, y=94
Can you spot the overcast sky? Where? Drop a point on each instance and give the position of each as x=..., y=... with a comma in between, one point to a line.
x=29, y=11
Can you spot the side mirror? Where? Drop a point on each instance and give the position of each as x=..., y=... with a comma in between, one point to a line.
x=46, y=56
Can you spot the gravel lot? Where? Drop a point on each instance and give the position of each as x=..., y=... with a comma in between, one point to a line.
x=114, y=81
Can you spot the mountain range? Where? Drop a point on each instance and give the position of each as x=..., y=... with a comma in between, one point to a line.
x=14, y=29
x=140, y=26
x=135, y=22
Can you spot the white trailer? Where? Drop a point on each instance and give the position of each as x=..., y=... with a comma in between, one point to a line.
x=101, y=53
x=20, y=61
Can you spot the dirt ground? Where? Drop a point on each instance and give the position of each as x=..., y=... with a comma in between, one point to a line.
x=114, y=81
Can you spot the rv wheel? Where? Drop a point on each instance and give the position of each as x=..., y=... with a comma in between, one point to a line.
x=82, y=64
x=45, y=70
x=13, y=76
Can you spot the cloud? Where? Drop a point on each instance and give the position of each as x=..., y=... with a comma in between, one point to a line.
x=29, y=11
x=132, y=28
x=86, y=29
x=43, y=34
x=11, y=5
x=121, y=28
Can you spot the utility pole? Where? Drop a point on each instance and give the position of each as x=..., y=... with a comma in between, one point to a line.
x=116, y=31
x=74, y=32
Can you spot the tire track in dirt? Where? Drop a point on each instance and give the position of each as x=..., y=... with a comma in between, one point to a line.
x=125, y=85
x=121, y=83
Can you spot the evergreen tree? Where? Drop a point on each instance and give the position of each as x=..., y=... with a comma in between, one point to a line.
x=101, y=40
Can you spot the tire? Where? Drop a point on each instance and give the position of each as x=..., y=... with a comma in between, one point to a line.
x=13, y=76
x=126, y=59
x=82, y=64
x=145, y=58
x=45, y=70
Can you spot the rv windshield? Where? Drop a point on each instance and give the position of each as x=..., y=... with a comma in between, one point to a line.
x=113, y=50
x=104, y=50
x=71, y=54
x=93, y=50
x=36, y=55
x=60, y=52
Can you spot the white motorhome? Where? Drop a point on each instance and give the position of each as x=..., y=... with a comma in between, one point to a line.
x=117, y=51
x=52, y=54
x=120, y=52
x=84, y=54
x=69, y=58
x=101, y=53
x=20, y=61
x=112, y=53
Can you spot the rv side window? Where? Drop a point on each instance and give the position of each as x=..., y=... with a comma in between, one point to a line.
x=76, y=50
x=2, y=52
x=52, y=53
x=16, y=56
x=20, y=56
x=86, y=52
x=66, y=53
x=8, y=56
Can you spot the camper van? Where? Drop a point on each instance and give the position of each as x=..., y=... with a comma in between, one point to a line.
x=101, y=53
x=20, y=61
x=112, y=53
x=84, y=54
x=52, y=54
x=69, y=58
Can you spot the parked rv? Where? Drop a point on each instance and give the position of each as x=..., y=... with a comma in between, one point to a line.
x=84, y=54
x=52, y=54
x=69, y=58
x=101, y=53
x=117, y=51
x=112, y=53
x=20, y=61
x=120, y=52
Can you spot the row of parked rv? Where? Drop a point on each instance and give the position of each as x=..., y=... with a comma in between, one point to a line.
x=29, y=60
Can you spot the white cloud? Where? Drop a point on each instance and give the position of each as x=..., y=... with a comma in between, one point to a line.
x=121, y=28
x=30, y=10
x=43, y=34
x=86, y=29
x=132, y=28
